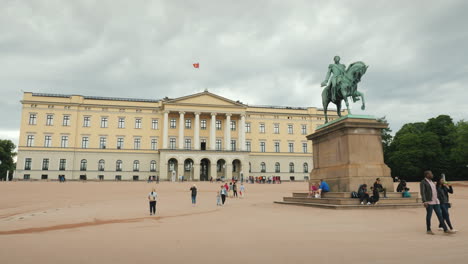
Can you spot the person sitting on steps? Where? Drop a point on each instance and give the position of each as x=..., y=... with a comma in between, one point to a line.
x=363, y=194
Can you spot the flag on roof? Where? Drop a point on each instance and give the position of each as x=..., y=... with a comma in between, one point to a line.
x=196, y=65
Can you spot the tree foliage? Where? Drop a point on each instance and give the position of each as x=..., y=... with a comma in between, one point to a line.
x=7, y=154
x=438, y=145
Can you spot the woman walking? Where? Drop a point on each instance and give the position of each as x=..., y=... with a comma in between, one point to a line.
x=223, y=193
x=443, y=190
x=152, y=197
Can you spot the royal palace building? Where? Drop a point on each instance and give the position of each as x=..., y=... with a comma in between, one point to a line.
x=199, y=136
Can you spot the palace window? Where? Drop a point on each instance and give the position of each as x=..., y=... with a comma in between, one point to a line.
x=64, y=142
x=277, y=147
x=262, y=128
x=248, y=146
x=233, y=145
x=306, y=167
x=188, y=143
x=218, y=144
x=50, y=120
x=154, y=144
x=63, y=164
x=173, y=123
x=27, y=164
x=188, y=123
x=290, y=129
x=102, y=142
x=153, y=166
x=233, y=125
x=203, y=124
x=47, y=141
x=276, y=129
x=304, y=129
x=154, y=124
x=172, y=143
x=84, y=142
x=291, y=167
x=121, y=123
x=86, y=121
x=262, y=167
x=247, y=127
x=118, y=165
x=101, y=165
x=104, y=122
x=32, y=119
x=304, y=147
x=137, y=143
x=291, y=147
x=45, y=164
x=120, y=143
x=218, y=124
x=66, y=120
x=30, y=141
x=277, y=167
x=83, y=165
x=136, y=165
x=138, y=123
x=262, y=147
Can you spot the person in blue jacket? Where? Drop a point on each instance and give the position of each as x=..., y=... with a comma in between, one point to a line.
x=323, y=187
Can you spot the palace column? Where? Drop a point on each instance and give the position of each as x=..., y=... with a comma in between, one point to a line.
x=213, y=132
x=242, y=133
x=227, y=133
x=213, y=172
x=165, y=129
x=196, y=171
x=196, y=134
x=181, y=130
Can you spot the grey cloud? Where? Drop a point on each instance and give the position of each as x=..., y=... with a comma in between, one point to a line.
x=259, y=52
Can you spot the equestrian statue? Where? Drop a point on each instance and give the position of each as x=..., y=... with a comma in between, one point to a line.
x=343, y=84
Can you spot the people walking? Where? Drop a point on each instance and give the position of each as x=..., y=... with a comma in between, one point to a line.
x=431, y=202
x=223, y=193
x=443, y=190
x=152, y=197
x=194, y=194
x=230, y=190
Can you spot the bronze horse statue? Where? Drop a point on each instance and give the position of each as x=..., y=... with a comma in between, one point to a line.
x=346, y=86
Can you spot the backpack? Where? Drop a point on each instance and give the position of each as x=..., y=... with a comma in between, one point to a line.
x=354, y=195
x=406, y=194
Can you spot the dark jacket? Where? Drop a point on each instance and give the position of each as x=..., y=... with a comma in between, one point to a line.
x=401, y=186
x=426, y=191
x=442, y=193
x=362, y=191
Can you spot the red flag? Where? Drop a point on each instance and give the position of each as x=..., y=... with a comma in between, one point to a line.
x=196, y=65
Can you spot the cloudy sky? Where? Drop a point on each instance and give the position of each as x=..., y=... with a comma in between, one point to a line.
x=258, y=52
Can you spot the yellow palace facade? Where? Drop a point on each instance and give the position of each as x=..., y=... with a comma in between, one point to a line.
x=197, y=137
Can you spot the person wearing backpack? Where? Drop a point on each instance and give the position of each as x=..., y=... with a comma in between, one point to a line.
x=194, y=194
x=152, y=197
x=443, y=190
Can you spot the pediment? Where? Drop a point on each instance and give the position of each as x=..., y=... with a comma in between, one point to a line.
x=205, y=98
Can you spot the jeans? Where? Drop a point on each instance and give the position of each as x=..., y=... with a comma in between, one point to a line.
x=152, y=207
x=364, y=196
x=444, y=207
x=223, y=198
x=194, y=199
x=436, y=208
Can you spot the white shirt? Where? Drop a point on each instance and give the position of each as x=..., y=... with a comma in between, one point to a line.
x=153, y=194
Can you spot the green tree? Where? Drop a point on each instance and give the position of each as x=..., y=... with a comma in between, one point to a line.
x=6, y=157
x=386, y=138
x=459, y=153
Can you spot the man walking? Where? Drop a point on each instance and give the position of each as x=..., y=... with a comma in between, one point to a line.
x=152, y=197
x=431, y=202
x=194, y=194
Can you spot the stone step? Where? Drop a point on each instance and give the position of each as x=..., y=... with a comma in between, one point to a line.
x=348, y=194
x=349, y=201
x=366, y=207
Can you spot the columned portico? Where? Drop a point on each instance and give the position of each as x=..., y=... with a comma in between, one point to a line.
x=181, y=129
x=213, y=132
x=165, y=128
x=227, y=133
x=196, y=132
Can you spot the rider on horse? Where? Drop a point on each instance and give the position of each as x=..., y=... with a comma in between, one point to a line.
x=338, y=71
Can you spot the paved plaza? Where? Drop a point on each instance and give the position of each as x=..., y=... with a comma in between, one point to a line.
x=109, y=222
